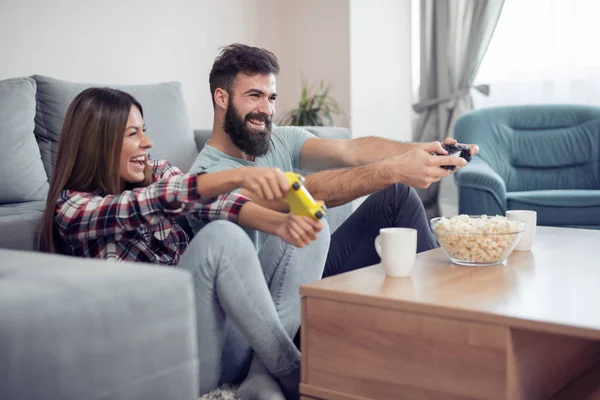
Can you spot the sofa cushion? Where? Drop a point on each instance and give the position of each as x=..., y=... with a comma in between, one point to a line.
x=559, y=207
x=22, y=176
x=165, y=115
x=560, y=146
x=19, y=224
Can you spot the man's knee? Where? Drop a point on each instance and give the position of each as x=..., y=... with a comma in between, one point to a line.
x=401, y=195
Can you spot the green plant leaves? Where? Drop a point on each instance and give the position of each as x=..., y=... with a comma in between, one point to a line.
x=315, y=108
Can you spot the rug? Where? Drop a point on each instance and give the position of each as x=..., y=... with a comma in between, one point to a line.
x=223, y=393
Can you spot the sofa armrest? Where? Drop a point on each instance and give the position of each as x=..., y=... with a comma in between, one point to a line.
x=74, y=328
x=480, y=189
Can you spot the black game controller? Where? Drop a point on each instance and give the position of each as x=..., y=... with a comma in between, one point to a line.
x=458, y=151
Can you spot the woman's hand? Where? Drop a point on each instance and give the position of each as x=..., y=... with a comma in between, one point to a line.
x=298, y=231
x=266, y=183
x=293, y=229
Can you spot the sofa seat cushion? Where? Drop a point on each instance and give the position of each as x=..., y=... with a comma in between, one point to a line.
x=22, y=176
x=559, y=207
x=165, y=116
x=19, y=224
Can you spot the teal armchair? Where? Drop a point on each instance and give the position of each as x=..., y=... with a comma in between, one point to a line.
x=541, y=157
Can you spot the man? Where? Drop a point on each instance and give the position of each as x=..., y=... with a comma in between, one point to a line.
x=243, y=89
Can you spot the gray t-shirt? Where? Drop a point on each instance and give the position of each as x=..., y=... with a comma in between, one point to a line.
x=284, y=153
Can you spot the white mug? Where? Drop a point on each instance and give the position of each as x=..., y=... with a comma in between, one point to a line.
x=530, y=219
x=397, y=248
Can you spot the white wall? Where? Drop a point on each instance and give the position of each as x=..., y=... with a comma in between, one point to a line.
x=132, y=41
x=380, y=73
x=315, y=44
x=361, y=47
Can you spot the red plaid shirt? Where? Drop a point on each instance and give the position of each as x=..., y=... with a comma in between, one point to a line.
x=137, y=225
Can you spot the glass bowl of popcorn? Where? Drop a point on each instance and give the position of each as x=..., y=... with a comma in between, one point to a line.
x=477, y=240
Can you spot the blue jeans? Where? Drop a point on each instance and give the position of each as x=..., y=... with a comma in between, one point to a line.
x=285, y=269
x=230, y=285
x=352, y=244
x=245, y=305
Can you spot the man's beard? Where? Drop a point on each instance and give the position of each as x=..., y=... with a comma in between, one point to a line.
x=252, y=143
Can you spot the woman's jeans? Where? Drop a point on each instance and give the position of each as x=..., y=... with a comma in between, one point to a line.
x=259, y=301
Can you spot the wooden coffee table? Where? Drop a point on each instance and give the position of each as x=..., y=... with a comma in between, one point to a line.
x=529, y=329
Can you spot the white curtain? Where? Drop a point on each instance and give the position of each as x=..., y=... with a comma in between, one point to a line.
x=543, y=51
x=454, y=36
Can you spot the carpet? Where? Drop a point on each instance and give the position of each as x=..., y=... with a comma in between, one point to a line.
x=223, y=393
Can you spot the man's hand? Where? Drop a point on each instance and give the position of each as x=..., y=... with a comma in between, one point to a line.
x=474, y=149
x=298, y=231
x=371, y=164
x=266, y=183
x=419, y=168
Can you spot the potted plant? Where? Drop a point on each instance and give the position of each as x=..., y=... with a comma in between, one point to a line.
x=316, y=107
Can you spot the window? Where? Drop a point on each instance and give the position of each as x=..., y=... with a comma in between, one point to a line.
x=543, y=51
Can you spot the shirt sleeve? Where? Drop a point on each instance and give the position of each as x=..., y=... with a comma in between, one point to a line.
x=294, y=138
x=163, y=169
x=82, y=216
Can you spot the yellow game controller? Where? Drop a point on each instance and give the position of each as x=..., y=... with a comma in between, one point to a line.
x=300, y=201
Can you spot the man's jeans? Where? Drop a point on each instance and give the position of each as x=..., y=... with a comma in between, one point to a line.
x=352, y=244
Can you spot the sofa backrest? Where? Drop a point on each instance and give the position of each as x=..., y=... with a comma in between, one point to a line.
x=165, y=116
x=537, y=147
x=22, y=175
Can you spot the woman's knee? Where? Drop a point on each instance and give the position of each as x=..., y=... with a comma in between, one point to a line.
x=216, y=240
x=321, y=244
x=226, y=236
x=315, y=255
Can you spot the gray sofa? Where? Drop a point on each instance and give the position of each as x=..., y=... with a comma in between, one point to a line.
x=31, y=115
x=74, y=328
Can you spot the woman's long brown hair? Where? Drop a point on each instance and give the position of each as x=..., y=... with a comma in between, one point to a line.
x=89, y=151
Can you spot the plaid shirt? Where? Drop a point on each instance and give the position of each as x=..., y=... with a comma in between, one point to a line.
x=137, y=225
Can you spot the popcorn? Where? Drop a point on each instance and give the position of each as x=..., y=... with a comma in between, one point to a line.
x=482, y=240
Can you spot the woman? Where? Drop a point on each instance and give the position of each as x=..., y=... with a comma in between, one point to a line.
x=107, y=199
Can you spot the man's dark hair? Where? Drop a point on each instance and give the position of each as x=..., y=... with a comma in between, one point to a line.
x=237, y=58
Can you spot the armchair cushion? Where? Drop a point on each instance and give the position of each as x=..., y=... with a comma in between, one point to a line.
x=559, y=207
x=561, y=147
